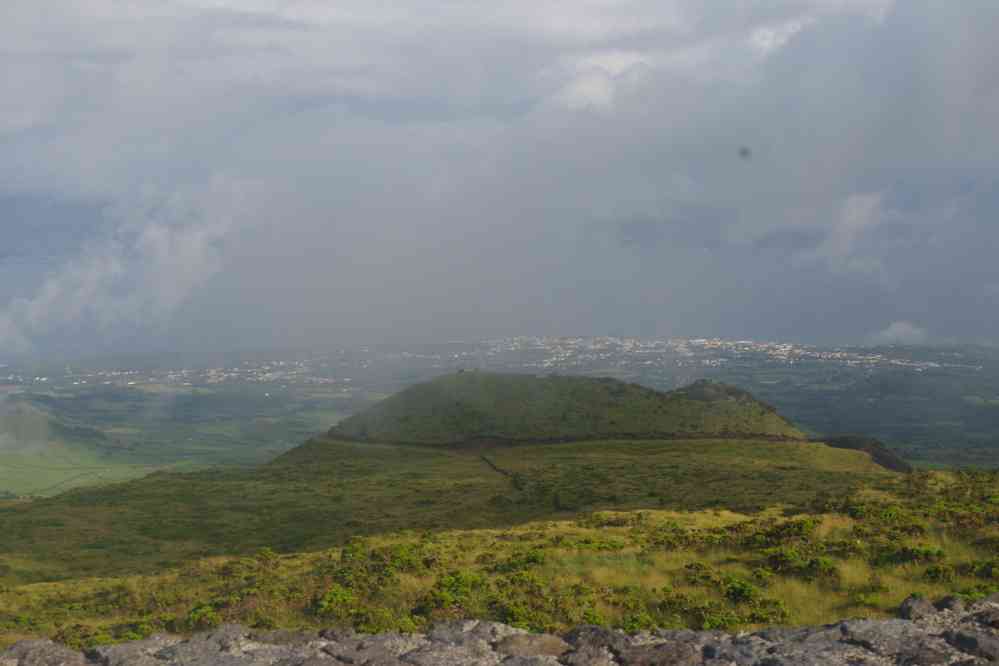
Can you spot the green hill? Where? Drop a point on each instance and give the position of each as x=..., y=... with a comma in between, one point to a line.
x=351, y=530
x=41, y=454
x=608, y=445
x=476, y=406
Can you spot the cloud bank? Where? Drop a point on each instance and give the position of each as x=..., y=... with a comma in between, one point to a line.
x=900, y=333
x=218, y=173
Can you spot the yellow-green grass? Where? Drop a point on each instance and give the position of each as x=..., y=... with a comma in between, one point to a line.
x=616, y=568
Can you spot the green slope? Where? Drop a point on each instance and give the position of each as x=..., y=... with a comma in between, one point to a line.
x=878, y=452
x=731, y=451
x=472, y=406
x=857, y=556
x=327, y=491
x=43, y=455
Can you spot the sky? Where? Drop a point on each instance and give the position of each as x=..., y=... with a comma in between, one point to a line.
x=212, y=174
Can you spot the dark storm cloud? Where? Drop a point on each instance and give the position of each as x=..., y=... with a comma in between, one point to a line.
x=814, y=169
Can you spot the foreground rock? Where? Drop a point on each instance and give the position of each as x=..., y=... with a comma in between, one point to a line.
x=947, y=633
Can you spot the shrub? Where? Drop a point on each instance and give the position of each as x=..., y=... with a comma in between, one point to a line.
x=939, y=573
x=792, y=561
x=520, y=560
x=987, y=569
x=452, y=591
x=80, y=637
x=637, y=621
x=893, y=555
x=338, y=602
x=738, y=590
x=203, y=616
x=672, y=536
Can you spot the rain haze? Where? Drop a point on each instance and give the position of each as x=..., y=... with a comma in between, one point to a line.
x=192, y=174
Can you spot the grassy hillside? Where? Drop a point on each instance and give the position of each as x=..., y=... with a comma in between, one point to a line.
x=326, y=491
x=43, y=455
x=878, y=452
x=393, y=535
x=855, y=555
x=471, y=406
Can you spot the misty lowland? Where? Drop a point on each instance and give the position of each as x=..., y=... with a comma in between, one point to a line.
x=520, y=333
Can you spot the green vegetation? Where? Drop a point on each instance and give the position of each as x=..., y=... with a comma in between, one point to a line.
x=43, y=455
x=929, y=533
x=326, y=491
x=474, y=406
x=942, y=416
x=878, y=452
x=724, y=531
x=92, y=435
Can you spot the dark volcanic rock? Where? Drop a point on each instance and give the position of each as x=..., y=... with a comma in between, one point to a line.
x=948, y=634
x=950, y=603
x=988, y=617
x=976, y=643
x=40, y=653
x=915, y=608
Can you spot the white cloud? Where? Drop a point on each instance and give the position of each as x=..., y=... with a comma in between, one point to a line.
x=768, y=39
x=900, y=333
x=163, y=249
x=840, y=251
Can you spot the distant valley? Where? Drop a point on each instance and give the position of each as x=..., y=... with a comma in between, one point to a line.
x=121, y=418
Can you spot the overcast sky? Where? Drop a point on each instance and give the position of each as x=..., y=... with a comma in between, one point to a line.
x=185, y=174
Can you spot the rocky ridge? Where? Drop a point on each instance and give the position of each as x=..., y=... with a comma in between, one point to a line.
x=948, y=632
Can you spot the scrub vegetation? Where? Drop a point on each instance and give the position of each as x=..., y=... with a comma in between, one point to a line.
x=930, y=533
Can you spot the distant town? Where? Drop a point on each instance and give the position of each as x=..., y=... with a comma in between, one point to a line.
x=675, y=357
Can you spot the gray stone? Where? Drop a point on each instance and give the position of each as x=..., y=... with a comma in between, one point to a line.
x=228, y=645
x=833, y=653
x=493, y=632
x=444, y=654
x=589, y=655
x=311, y=661
x=950, y=603
x=955, y=636
x=591, y=636
x=923, y=655
x=975, y=643
x=664, y=654
x=528, y=645
x=339, y=635
x=136, y=653
x=884, y=637
x=988, y=617
x=915, y=608
x=380, y=649
x=454, y=631
x=739, y=650
x=824, y=633
x=530, y=661
x=284, y=637
x=41, y=653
